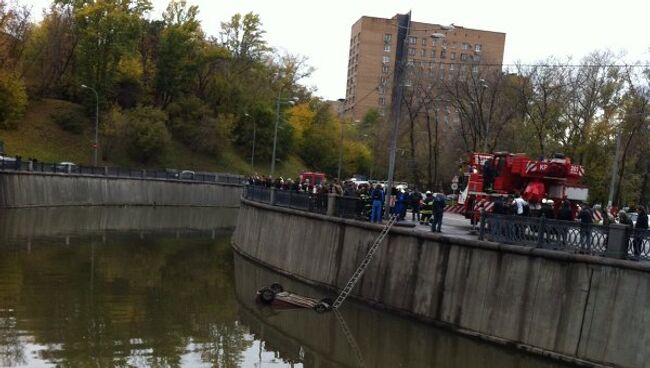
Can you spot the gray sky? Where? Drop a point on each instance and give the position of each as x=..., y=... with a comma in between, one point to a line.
x=320, y=30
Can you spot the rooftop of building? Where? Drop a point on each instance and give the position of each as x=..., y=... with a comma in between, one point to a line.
x=433, y=25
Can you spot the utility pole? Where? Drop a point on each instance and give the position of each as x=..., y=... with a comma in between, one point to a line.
x=402, y=38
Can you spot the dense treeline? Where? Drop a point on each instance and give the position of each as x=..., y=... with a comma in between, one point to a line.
x=165, y=79
x=549, y=107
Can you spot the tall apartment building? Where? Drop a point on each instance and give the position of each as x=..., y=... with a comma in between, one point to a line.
x=379, y=45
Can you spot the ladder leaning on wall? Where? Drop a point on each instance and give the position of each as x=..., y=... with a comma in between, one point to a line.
x=364, y=264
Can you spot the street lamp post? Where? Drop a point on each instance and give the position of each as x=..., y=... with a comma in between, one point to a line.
x=483, y=85
x=253, y=148
x=96, y=119
x=278, y=101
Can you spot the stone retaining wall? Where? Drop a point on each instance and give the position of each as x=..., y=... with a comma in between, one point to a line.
x=27, y=189
x=582, y=309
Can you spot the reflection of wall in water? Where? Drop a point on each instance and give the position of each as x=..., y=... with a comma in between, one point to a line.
x=385, y=340
x=56, y=221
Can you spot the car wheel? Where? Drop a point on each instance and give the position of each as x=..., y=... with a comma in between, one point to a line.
x=267, y=295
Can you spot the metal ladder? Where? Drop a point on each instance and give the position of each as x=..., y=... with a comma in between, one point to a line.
x=364, y=264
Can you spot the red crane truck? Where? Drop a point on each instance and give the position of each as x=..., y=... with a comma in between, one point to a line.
x=555, y=178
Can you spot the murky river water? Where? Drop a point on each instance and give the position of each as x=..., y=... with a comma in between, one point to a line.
x=121, y=287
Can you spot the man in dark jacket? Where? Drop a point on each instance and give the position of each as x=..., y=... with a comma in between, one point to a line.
x=586, y=217
x=641, y=224
x=416, y=198
x=439, y=203
x=547, y=209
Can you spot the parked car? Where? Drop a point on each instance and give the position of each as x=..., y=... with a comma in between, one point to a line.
x=66, y=167
x=186, y=175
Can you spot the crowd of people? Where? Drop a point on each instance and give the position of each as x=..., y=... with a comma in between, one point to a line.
x=426, y=207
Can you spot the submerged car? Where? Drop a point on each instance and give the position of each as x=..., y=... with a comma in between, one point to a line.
x=276, y=296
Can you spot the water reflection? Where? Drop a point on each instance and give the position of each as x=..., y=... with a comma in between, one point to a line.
x=25, y=223
x=383, y=340
x=171, y=298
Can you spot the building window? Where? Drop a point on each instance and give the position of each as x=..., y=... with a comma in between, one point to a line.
x=477, y=47
x=443, y=54
x=433, y=53
x=387, y=48
x=388, y=37
x=477, y=58
x=466, y=46
x=381, y=101
x=411, y=51
x=475, y=69
x=381, y=89
x=423, y=53
x=386, y=59
x=453, y=56
x=384, y=68
x=424, y=42
x=451, y=67
x=463, y=57
x=413, y=40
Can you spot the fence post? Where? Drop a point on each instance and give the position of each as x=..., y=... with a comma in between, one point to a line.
x=331, y=203
x=272, y=196
x=618, y=241
x=481, y=233
x=31, y=165
x=540, y=231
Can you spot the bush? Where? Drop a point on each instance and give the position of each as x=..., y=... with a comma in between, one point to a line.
x=191, y=122
x=147, y=134
x=13, y=100
x=72, y=120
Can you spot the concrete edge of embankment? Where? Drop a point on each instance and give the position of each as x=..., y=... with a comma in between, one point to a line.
x=449, y=327
x=112, y=177
x=112, y=205
x=506, y=248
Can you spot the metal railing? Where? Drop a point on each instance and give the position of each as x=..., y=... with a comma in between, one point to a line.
x=567, y=236
x=164, y=174
x=546, y=233
x=347, y=207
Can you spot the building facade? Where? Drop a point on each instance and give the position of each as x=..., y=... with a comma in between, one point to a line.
x=379, y=47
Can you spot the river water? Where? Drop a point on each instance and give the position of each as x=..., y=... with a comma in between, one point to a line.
x=143, y=287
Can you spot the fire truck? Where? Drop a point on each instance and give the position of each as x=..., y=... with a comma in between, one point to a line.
x=502, y=174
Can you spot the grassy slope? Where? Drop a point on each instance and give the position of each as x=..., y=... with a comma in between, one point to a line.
x=39, y=137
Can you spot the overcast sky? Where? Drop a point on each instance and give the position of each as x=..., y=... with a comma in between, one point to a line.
x=320, y=30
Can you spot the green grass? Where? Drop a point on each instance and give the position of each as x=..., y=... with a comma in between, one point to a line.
x=37, y=136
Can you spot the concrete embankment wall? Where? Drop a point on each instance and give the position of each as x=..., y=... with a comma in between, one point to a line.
x=25, y=189
x=384, y=340
x=582, y=309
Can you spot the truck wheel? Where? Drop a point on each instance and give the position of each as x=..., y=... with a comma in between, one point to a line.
x=277, y=288
x=267, y=295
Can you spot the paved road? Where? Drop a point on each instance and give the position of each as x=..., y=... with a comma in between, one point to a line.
x=453, y=224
